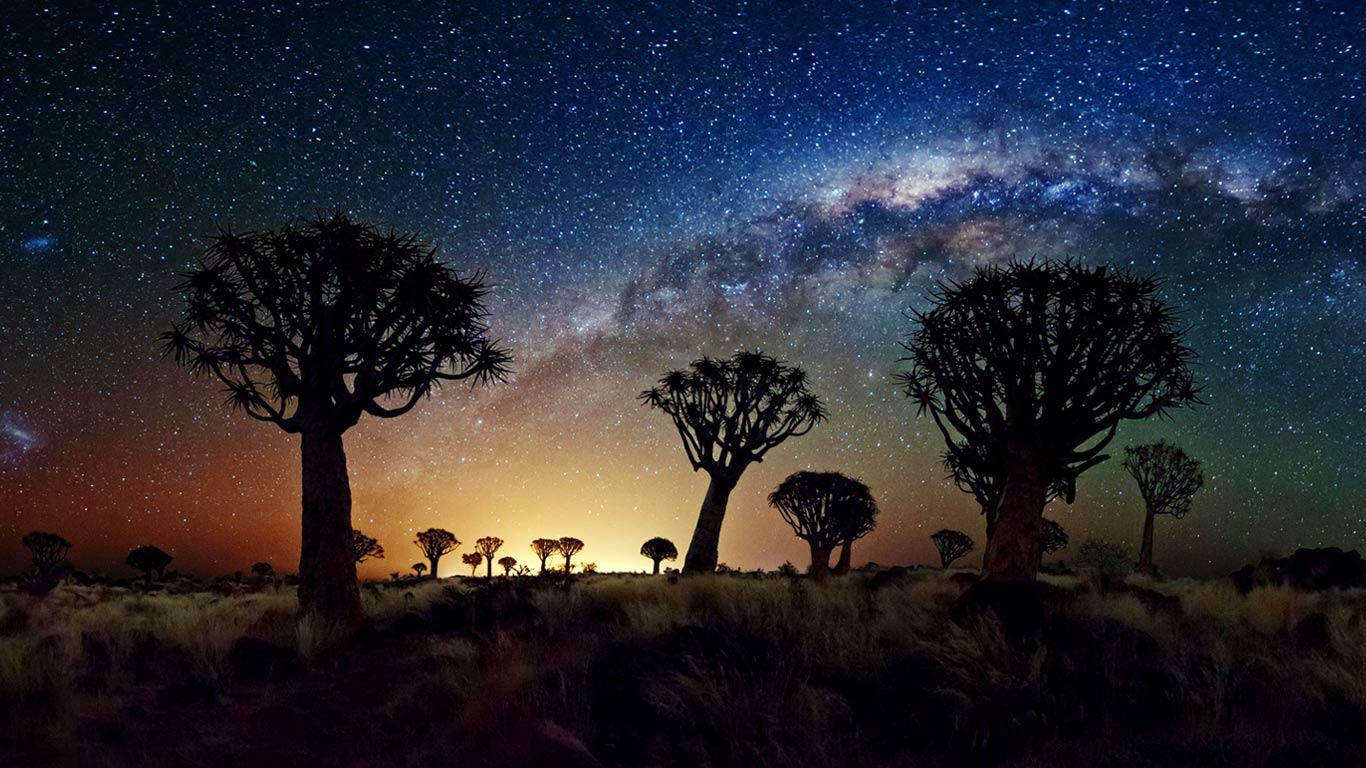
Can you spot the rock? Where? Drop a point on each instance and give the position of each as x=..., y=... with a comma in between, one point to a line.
x=252, y=658
x=1307, y=570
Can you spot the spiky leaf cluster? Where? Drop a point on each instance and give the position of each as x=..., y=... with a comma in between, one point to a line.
x=1167, y=477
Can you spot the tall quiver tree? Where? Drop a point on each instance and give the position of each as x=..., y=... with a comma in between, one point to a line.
x=568, y=546
x=314, y=325
x=823, y=509
x=730, y=413
x=1035, y=365
x=544, y=548
x=856, y=522
x=657, y=549
x=1167, y=479
x=486, y=547
x=48, y=550
x=435, y=543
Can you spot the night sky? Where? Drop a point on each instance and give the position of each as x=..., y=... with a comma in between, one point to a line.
x=649, y=183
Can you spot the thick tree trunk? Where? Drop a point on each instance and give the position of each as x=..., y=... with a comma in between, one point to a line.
x=846, y=554
x=990, y=515
x=327, y=565
x=1012, y=555
x=1145, y=553
x=706, y=537
x=820, y=560
x=566, y=563
x=547, y=557
x=656, y=567
x=489, y=575
x=433, y=561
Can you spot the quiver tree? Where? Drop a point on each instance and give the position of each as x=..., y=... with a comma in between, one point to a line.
x=486, y=547
x=48, y=550
x=418, y=568
x=149, y=560
x=730, y=413
x=857, y=521
x=658, y=549
x=435, y=542
x=1052, y=538
x=364, y=547
x=1167, y=479
x=544, y=548
x=508, y=562
x=1029, y=369
x=473, y=560
x=823, y=509
x=262, y=570
x=976, y=470
x=315, y=325
x=951, y=545
x=568, y=546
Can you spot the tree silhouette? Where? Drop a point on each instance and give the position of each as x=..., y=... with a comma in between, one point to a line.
x=48, y=550
x=473, y=560
x=856, y=521
x=149, y=560
x=544, y=548
x=568, y=546
x=487, y=546
x=314, y=325
x=1052, y=538
x=262, y=570
x=951, y=545
x=1104, y=557
x=418, y=568
x=364, y=547
x=1167, y=479
x=823, y=509
x=1028, y=370
x=730, y=413
x=508, y=562
x=979, y=471
x=435, y=542
x=658, y=549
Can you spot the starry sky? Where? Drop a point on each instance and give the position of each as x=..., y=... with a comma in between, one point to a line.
x=646, y=183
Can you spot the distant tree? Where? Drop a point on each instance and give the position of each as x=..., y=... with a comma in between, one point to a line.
x=589, y=567
x=730, y=413
x=821, y=507
x=262, y=570
x=1029, y=369
x=978, y=471
x=434, y=543
x=544, y=548
x=521, y=570
x=951, y=545
x=314, y=325
x=508, y=562
x=473, y=560
x=787, y=569
x=418, y=568
x=487, y=546
x=569, y=546
x=855, y=521
x=658, y=549
x=1167, y=479
x=364, y=547
x=1103, y=557
x=149, y=560
x=1052, y=538
x=48, y=550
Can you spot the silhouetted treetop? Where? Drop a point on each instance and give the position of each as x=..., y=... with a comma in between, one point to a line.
x=435, y=542
x=568, y=546
x=262, y=569
x=48, y=549
x=824, y=509
x=659, y=548
x=1054, y=350
x=149, y=560
x=1053, y=538
x=1167, y=477
x=544, y=548
x=364, y=547
x=731, y=412
x=951, y=545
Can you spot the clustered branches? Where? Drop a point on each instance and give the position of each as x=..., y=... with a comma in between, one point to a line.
x=1053, y=537
x=729, y=413
x=824, y=509
x=365, y=547
x=951, y=545
x=317, y=323
x=544, y=548
x=568, y=546
x=487, y=547
x=435, y=543
x=658, y=549
x=1048, y=357
x=473, y=560
x=149, y=560
x=1167, y=477
x=48, y=550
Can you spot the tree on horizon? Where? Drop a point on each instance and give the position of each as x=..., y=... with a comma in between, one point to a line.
x=48, y=550
x=312, y=326
x=262, y=570
x=568, y=546
x=473, y=560
x=508, y=562
x=544, y=548
x=486, y=547
x=729, y=414
x=149, y=560
x=951, y=545
x=436, y=543
x=1167, y=480
x=1030, y=368
x=365, y=547
x=1052, y=538
x=418, y=568
x=657, y=549
x=824, y=509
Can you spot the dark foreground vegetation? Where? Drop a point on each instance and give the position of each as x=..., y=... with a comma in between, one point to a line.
x=878, y=668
